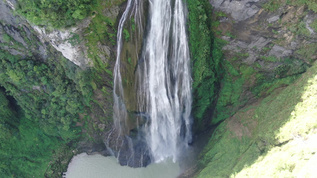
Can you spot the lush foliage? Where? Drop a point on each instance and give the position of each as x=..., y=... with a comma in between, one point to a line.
x=45, y=93
x=239, y=77
x=55, y=13
x=99, y=32
x=42, y=113
x=206, y=57
x=271, y=138
x=273, y=5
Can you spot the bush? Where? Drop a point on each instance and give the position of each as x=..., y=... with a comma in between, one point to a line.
x=55, y=13
x=206, y=56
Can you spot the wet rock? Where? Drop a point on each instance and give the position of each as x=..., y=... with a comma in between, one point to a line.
x=134, y=153
x=130, y=150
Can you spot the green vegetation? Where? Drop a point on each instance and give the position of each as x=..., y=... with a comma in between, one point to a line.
x=55, y=13
x=74, y=39
x=98, y=33
x=308, y=52
x=314, y=25
x=274, y=137
x=101, y=31
x=42, y=113
x=59, y=101
x=231, y=89
x=25, y=151
x=239, y=78
x=6, y=38
x=299, y=28
x=61, y=13
x=206, y=57
x=273, y=5
x=126, y=35
x=269, y=58
x=310, y=4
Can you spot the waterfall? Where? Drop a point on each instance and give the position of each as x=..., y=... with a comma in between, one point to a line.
x=163, y=80
x=119, y=108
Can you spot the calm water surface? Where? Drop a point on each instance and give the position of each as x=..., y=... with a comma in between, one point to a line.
x=98, y=166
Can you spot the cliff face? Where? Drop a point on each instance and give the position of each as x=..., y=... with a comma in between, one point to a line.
x=265, y=49
x=17, y=36
x=61, y=85
x=265, y=91
x=274, y=136
x=258, y=91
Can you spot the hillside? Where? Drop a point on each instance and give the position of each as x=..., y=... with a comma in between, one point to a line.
x=274, y=137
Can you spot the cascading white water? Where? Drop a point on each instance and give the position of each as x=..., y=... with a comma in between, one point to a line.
x=119, y=108
x=165, y=81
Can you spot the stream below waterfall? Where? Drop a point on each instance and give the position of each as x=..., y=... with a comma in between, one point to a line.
x=98, y=166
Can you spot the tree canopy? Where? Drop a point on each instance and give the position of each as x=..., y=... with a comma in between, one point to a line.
x=55, y=13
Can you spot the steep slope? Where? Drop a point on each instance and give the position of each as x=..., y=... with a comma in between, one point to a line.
x=58, y=84
x=275, y=136
x=265, y=108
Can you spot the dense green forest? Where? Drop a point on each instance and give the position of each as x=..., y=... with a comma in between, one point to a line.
x=25, y=150
x=47, y=103
x=55, y=13
x=39, y=111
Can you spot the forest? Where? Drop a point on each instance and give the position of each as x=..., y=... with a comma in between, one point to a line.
x=40, y=103
x=55, y=13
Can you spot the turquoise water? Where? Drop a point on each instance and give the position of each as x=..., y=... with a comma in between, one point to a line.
x=98, y=166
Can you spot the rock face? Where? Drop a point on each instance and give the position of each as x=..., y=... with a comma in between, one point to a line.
x=268, y=136
x=18, y=34
x=238, y=9
x=22, y=32
x=265, y=51
x=66, y=43
x=262, y=47
x=130, y=150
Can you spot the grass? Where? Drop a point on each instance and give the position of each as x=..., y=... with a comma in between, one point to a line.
x=307, y=52
x=314, y=25
x=6, y=38
x=269, y=58
x=229, y=99
x=273, y=5
x=275, y=137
